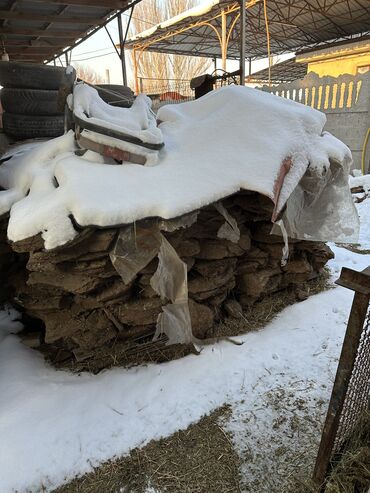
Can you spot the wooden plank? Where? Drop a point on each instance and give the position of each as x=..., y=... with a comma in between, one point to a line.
x=62, y=19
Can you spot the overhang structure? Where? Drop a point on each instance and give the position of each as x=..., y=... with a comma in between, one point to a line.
x=212, y=29
x=39, y=31
x=286, y=71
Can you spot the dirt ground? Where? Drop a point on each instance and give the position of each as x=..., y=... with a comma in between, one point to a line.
x=204, y=459
x=196, y=460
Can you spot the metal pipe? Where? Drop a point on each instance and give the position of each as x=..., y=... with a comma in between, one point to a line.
x=223, y=39
x=135, y=71
x=122, y=51
x=95, y=30
x=242, y=42
x=111, y=39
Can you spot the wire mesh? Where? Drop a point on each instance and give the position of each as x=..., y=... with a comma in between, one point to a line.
x=357, y=397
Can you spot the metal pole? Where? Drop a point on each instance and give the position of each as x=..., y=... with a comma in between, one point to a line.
x=122, y=50
x=250, y=66
x=135, y=71
x=66, y=57
x=242, y=42
x=215, y=63
x=223, y=39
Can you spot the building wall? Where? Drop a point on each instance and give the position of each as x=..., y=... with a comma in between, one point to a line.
x=345, y=64
x=346, y=102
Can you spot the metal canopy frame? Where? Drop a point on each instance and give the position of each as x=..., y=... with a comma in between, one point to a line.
x=293, y=25
x=40, y=31
x=286, y=71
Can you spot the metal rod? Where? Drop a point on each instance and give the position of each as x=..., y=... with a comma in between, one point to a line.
x=95, y=30
x=250, y=65
x=122, y=51
x=242, y=41
x=134, y=57
x=111, y=39
x=66, y=58
x=223, y=39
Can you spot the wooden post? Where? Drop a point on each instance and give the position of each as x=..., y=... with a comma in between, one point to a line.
x=360, y=283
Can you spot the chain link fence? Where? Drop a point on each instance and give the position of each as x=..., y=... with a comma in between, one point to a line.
x=351, y=391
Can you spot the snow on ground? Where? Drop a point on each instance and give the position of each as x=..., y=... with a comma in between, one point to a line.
x=54, y=425
x=214, y=146
x=360, y=180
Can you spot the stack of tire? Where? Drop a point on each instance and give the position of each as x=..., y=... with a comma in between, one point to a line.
x=116, y=95
x=31, y=101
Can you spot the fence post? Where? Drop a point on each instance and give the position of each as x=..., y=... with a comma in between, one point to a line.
x=360, y=283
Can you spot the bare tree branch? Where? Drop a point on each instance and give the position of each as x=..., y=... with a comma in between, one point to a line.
x=159, y=66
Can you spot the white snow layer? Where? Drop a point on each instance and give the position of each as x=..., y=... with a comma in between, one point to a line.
x=138, y=120
x=54, y=424
x=360, y=180
x=196, y=11
x=231, y=139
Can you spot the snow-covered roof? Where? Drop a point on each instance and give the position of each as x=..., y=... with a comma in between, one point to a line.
x=231, y=139
x=293, y=26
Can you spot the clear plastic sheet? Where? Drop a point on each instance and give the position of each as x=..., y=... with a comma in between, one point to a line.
x=321, y=207
x=175, y=322
x=134, y=248
x=170, y=281
x=285, y=250
x=229, y=230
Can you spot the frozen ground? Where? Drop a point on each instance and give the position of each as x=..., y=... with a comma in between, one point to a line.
x=54, y=425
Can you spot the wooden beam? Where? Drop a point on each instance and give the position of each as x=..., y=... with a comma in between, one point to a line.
x=112, y=4
x=63, y=19
x=43, y=33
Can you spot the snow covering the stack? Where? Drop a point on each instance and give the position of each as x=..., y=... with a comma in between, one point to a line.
x=138, y=120
x=231, y=139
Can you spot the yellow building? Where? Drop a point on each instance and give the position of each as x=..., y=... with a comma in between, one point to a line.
x=345, y=58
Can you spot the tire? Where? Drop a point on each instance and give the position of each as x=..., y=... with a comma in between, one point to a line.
x=124, y=98
x=29, y=101
x=32, y=76
x=30, y=126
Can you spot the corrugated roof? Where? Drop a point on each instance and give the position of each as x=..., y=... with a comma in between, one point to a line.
x=286, y=71
x=38, y=30
x=293, y=25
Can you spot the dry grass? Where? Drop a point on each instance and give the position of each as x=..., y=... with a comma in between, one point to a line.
x=351, y=471
x=200, y=459
x=262, y=312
